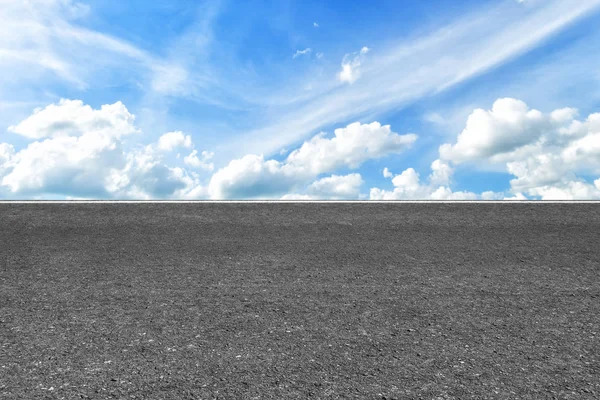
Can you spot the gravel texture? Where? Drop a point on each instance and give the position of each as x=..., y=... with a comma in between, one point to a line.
x=294, y=301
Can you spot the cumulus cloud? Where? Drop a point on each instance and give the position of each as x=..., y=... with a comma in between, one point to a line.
x=253, y=176
x=80, y=152
x=507, y=126
x=334, y=187
x=64, y=164
x=445, y=193
x=408, y=186
x=440, y=173
x=337, y=187
x=200, y=162
x=73, y=118
x=585, y=149
x=350, y=147
x=569, y=190
x=146, y=176
x=351, y=64
x=6, y=154
x=172, y=140
x=80, y=147
x=546, y=153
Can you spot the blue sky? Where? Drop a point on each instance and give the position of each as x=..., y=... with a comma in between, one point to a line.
x=222, y=99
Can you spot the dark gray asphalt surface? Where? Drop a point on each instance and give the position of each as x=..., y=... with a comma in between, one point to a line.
x=170, y=301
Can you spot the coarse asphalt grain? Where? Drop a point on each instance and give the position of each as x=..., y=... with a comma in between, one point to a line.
x=299, y=300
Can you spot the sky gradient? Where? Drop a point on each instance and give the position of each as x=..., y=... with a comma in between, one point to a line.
x=306, y=100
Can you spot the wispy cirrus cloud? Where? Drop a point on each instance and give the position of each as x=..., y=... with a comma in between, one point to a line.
x=47, y=34
x=404, y=72
x=304, y=52
x=44, y=42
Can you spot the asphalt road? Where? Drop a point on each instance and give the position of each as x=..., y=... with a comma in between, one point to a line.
x=279, y=301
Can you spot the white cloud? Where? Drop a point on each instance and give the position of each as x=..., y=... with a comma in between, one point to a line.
x=351, y=66
x=337, y=187
x=80, y=152
x=146, y=176
x=173, y=140
x=491, y=195
x=444, y=193
x=7, y=152
x=546, y=153
x=81, y=144
x=569, y=190
x=194, y=161
x=538, y=170
x=387, y=173
x=298, y=197
x=350, y=146
x=252, y=175
x=315, y=24
x=518, y=196
x=441, y=173
x=73, y=118
x=408, y=186
x=507, y=126
x=304, y=52
x=64, y=164
x=334, y=187
x=585, y=149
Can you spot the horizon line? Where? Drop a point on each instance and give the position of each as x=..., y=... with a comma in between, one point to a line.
x=297, y=201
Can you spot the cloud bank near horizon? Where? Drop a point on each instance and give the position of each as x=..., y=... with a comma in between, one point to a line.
x=77, y=151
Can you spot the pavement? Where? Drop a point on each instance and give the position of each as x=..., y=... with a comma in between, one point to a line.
x=299, y=300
